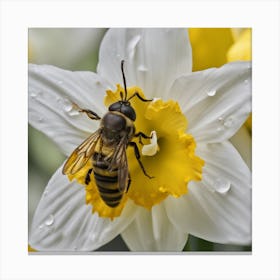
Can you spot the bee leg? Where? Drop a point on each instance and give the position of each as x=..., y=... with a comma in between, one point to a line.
x=128, y=183
x=87, y=179
x=92, y=115
x=139, y=97
x=140, y=135
x=137, y=155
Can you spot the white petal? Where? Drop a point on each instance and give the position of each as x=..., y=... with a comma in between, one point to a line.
x=153, y=231
x=153, y=57
x=216, y=101
x=218, y=208
x=63, y=222
x=51, y=93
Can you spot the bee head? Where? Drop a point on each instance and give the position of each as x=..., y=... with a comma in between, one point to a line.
x=125, y=108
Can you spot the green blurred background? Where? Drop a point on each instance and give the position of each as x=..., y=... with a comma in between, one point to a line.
x=77, y=49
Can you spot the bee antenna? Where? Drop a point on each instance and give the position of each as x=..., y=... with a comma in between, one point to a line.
x=124, y=81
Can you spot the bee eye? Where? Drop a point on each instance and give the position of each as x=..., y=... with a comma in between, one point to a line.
x=128, y=111
x=115, y=106
x=124, y=108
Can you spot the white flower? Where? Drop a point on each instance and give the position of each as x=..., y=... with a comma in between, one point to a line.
x=201, y=185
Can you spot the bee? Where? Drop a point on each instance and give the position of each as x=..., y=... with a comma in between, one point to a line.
x=106, y=148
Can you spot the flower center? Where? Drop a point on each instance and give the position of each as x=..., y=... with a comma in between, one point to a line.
x=168, y=156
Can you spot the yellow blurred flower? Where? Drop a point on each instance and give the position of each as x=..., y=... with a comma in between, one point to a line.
x=210, y=46
x=242, y=47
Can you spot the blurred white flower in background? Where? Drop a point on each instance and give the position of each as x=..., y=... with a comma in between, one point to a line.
x=70, y=48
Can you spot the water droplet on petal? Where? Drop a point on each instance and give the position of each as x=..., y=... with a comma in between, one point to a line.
x=246, y=81
x=211, y=92
x=41, y=226
x=45, y=193
x=50, y=220
x=33, y=94
x=229, y=122
x=132, y=45
x=69, y=107
x=221, y=185
x=60, y=82
x=73, y=113
x=142, y=68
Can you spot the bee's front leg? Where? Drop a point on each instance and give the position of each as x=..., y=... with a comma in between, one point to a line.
x=140, y=135
x=92, y=115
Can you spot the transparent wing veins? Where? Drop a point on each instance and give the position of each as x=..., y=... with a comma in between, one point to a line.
x=81, y=154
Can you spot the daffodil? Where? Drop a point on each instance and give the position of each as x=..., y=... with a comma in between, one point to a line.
x=197, y=182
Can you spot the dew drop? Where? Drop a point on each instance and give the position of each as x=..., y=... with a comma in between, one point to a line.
x=41, y=226
x=221, y=185
x=73, y=112
x=246, y=81
x=229, y=122
x=142, y=68
x=69, y=108
x=67, y=105
x=50, y=220
x=33, y=94
x=60, y=82
x=45, y=193
x=211, y=92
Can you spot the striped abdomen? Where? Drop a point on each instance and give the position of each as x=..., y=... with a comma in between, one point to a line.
x=107, y=183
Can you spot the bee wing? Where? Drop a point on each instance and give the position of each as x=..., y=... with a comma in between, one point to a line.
x=119, y=159
x=81, y=154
